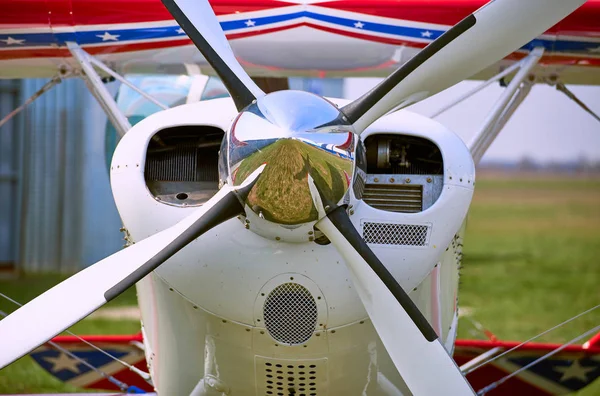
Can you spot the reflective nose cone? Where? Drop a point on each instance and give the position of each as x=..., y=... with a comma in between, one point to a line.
x=296, y=134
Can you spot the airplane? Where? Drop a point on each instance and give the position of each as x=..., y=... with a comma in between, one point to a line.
x=281, y=242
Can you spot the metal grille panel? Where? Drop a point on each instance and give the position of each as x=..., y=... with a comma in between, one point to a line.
x=359, y=186
x=290, y=314
x=291, y=377
x=396, y=234
x=403, y=198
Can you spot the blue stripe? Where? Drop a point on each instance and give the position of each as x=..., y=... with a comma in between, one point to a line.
x=376, y=27
x=125, y=35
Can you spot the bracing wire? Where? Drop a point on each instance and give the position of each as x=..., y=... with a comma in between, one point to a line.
x=145, y=376
x=119, y=384
x=532, y=339
x=502, y=380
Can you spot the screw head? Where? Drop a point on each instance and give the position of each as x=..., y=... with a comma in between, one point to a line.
x=407, y=180
x=429, y=180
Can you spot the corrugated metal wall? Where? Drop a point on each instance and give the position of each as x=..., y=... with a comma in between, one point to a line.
x=67, y=217
x=9, y=177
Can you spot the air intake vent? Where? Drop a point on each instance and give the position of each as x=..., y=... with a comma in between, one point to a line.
x=290, y=314
x=403, y=198
x=359, y=185
x=291, y=377
x=396, y=234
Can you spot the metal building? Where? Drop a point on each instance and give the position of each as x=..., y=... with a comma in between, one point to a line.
x=56, y=209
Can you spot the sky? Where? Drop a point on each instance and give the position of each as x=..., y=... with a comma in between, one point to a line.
x=547, y=126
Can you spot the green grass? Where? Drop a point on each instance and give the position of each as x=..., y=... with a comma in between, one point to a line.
x=530, y=262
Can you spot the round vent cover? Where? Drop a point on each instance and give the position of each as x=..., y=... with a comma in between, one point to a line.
x=290, y=314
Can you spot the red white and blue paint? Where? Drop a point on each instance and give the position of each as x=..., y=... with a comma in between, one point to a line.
x=142, y=32
x=568, y=371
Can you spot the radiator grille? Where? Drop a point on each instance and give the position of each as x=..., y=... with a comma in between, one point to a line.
x=395, y=234
x=291, y=377
x=185, y=162
x=402, y=198
x=290, y=314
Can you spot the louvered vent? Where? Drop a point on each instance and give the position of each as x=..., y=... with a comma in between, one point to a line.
x=396, y=234
x=359, y=186
x=291, y=377
x=290, y=314
x=403, y=198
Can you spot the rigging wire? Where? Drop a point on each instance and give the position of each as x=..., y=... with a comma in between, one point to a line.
x=119, y=384
x=562, y=88
x=145, y=376
x=502, y=380
x=531, y=339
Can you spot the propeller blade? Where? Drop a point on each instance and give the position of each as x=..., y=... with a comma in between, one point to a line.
x=83, y=293
x=479, y=40
x=198, y=20
x=411, y=342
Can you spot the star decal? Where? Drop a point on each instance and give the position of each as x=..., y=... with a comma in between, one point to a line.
x=63, y=362
x=359, y=25
x=108, y=37
x=426, y=33
x=575, y=370
x=180, y=31
x=11, y=41
x=250, y=23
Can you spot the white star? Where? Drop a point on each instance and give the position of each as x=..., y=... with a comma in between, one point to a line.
x=11, y=41
x=359, y=25
x=575, y=370
x=63, y=362
x=180, y=31
x=426, y=33
x=250, y=22
x=108, y=37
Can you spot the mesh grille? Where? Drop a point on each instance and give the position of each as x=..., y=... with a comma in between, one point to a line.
x=395, y=234
x=290, y=314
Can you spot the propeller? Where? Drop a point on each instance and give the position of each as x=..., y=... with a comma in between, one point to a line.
x=199, y=22
x=476, y=42
x=403, y=329
x=83, y=293
x=482, y=38
x=411, y=342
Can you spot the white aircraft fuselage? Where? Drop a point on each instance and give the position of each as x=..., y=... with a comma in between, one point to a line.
x=237, y=313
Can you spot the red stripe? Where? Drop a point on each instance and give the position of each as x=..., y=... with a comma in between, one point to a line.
x=450, y=12
x=30, y=13
x=532, y=346
x=112, y=339
x=100, y=50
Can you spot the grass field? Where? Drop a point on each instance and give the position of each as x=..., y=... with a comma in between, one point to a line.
x=530, y=262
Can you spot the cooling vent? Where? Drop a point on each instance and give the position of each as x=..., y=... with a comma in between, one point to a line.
x=359, y=186
x=402, y=198
x=395, y=234
x=290, y=314
x=291, y=377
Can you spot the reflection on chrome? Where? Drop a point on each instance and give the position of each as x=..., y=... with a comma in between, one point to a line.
x=299, y=134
